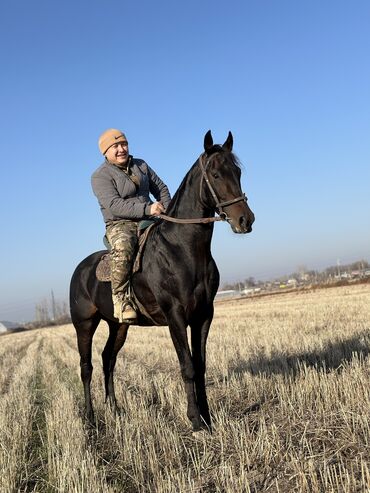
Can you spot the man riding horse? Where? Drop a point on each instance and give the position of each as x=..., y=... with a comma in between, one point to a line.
x=122, y=185
x=178, y=284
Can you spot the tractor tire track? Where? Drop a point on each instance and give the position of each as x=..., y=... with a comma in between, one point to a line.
x=36, y=451
x=17, y=415
x=9, y=363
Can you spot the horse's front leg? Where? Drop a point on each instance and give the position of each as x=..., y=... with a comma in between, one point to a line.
x=199, y=334
x=177, y=326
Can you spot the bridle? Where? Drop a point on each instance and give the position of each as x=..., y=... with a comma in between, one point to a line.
x=222, y=215
x=219, y=205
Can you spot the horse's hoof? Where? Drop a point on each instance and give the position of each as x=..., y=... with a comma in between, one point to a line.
x=200, y=434
x=90, y=419
x=206, y=424
x=116, y=411
x=202, y=426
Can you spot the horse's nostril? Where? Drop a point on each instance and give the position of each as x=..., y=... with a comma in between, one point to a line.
x=242, y=222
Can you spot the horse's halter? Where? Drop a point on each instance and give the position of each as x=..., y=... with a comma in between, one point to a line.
x=219, y=205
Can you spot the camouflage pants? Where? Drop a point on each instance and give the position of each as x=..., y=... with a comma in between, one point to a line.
x=122, y=236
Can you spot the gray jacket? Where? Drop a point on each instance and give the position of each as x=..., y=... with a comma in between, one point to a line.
x=118, y=196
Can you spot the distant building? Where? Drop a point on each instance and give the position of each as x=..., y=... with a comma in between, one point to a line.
x=247, y=291
x=2, y=328
x=228, y=293
x=292, y=282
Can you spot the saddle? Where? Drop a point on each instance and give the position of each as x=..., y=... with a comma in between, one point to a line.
x=103, y=268
x=103, y=274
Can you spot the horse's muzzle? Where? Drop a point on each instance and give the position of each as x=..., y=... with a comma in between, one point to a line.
x=243, y=224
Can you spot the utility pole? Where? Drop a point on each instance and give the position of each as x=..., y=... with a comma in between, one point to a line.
x=53, y=307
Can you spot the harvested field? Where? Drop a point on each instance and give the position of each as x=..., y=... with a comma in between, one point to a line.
x=288, y=387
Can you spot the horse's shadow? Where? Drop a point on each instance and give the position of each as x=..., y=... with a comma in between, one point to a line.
x=333, y=356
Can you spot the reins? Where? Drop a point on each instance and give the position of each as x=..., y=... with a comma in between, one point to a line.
x=219, y=205
x=199, y=220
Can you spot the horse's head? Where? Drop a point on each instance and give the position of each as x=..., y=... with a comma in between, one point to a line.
x=221, y=174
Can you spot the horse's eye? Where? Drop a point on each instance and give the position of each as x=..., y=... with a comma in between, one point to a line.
x=215, y=175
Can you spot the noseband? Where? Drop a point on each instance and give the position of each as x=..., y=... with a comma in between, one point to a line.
x=222, y=215
x=219, y=205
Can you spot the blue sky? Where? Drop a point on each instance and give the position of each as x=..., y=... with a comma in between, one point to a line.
x=290, y=79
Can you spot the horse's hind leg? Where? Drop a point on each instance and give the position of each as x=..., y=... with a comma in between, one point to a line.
x=85, y=331
x=116, y=339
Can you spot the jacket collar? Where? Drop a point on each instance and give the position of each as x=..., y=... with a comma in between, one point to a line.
x=123, y=168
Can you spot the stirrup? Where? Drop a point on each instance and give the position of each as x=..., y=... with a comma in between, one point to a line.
x=128, y=312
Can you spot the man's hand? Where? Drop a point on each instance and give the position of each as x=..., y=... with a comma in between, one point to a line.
x=156, y=209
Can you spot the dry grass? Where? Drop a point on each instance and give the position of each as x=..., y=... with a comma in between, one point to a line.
x=288, y=385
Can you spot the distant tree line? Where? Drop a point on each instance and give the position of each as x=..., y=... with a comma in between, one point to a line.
x=302, y=274
x=50, y=312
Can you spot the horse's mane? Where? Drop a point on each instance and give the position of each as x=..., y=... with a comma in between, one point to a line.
x=232, y=158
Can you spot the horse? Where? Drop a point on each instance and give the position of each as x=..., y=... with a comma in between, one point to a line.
x=177, y=282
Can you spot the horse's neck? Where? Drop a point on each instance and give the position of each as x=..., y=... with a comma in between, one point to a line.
x=187, y=204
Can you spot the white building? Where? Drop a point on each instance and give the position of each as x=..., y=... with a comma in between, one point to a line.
x=2, y=328
x=228, y=293
x=247, y=291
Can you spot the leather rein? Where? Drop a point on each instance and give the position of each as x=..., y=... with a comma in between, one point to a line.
x=219, y=205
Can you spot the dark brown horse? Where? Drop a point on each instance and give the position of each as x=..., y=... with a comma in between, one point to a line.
x=178, y=279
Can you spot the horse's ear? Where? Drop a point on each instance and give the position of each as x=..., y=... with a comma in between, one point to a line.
x=228, y=145
x=208, y=141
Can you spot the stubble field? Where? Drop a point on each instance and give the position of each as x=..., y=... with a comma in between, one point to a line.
x=288, y=387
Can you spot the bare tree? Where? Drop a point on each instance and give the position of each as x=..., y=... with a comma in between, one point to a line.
x=42, y=311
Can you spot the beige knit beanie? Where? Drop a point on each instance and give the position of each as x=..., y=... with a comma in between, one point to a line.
x=110, y=137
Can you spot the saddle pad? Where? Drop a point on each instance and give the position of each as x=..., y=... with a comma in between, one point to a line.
x=103, y=268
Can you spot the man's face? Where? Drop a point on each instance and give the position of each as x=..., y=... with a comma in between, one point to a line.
x=118, y=153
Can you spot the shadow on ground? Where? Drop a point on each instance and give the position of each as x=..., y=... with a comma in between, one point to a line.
x=335, y=355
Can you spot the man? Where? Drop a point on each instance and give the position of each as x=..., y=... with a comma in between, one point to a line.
x=122, y=185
